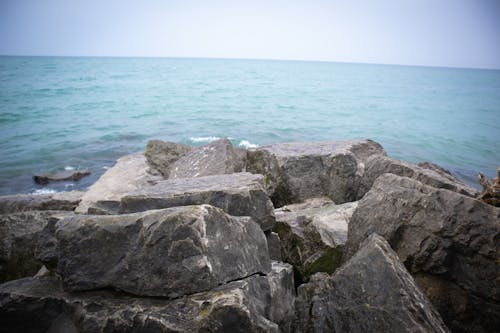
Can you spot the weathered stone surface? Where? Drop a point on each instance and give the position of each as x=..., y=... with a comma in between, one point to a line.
x=429, y=174
x=161, y=155
x=448, y=241
x=18, y=241
x=216, y=158
x=239, y=194
x=130, y=173
x=66, y=175
x=372, y=292
x=249, y=305
x=313, y=234
x=491, y=189
x=171, y=252
x=298, y=171
x=53, y=201
x=273, y=245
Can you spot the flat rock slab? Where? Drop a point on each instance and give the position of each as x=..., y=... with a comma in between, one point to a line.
x=372, y=292
x=447, y=240
x=301, y=170
x=67, y=175
x=53, y=201
x=171, y=253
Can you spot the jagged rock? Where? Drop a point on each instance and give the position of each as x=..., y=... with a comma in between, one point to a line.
x=216, y=158
x=66, y=175
x=18, y=241
x=161, y=155
x=53, y=201
x=313, y=234
x=35, y=305
x=171, y=252
x=298, y=171
x=130, y=173
x=491, y=190
x=448, y=241
x=429, y=174
x=372, y=292
x=435, y=167
x=273, y=245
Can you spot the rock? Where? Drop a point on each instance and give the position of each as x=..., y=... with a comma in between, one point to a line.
x=239, y=194
x=430, y=174
x=298, y=171
x=216, y=158
x=491, y=190
x=447, y=241
x=273, y=245
x=18, y=241
x=435, y=167
x=372, y=292
x=161, y=155
x=66, y=175
x=171, y=253
x=53, y=201
x=313, y=235
x=248, y=305
x=130, y=173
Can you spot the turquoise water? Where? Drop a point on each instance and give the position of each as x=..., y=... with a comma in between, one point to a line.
x=86, y=112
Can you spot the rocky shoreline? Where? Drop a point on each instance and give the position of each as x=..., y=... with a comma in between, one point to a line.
x=290, y=237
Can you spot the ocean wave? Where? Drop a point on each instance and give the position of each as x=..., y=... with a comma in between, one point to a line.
x=69, y=167
x=44, y=191
x=247, y=144
x=204, y=139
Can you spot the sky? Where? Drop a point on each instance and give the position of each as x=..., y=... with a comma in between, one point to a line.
x=451, y=33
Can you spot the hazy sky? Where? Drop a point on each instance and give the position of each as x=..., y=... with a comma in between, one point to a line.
x=458, y=33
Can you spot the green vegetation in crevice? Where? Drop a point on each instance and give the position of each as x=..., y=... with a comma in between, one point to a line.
x=328, y=263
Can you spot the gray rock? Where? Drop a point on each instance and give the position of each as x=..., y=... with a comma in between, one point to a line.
x=273, y=245
x=372, y=292
x=171, y=253
x=161, y=155
x=298, y=171
x=248, y=305
x=53, y=201
x=130, y=173
x=448, y=241
x=66, y=175
x=216, y=158
x=426, y=173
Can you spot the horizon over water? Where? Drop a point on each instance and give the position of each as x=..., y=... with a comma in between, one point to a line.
x=85, y=112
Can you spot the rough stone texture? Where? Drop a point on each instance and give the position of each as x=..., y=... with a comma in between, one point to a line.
x=161, y=155
x=372, y=292
x=216, y=158
x=130, y=173
x=171, y=252
x=298, y=171
x=47, y=178
x=273, y=245
x=39, y=304
x=239, y=194
x=18, y=241
x=26, y=202
x=313, y=235
x=429, y=174
x=448, y=241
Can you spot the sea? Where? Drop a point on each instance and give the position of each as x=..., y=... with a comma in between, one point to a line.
x=64, y=113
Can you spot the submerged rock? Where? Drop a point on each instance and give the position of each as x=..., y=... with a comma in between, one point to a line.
x=53, y=201
x=67, y=175
x=161, y=155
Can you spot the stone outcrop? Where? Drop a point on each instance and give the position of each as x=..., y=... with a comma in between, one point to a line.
x=448, y=242
x=372, y=292
x=426, y=173
x=67, y=175
x=171, y=253
x=53, y=201
x=298, y=171
x=161, y=155
x=491, y=189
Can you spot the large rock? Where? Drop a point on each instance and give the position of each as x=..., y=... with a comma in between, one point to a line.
x=298, y=171
x=172, y=252
x=130, y=173
x=216, y=158
x=372, y=292
x=313, y=235
x=448, y=241
x=254, y=304
x=427, y=173
x=53, y=201
x=62, y=176
x=161, y=155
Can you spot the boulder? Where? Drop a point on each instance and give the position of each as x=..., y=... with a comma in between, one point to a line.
x=298, y=171
x=313, y=235
x=426, y=173
x=130, y=173
x=171, y=252
x=66, y=175
x=491, y=189
x=273, y=245
x=35, y=305
x=217, y=158
x=372, y=292
x=447, y=241
x=53, y=201
x=161, y=155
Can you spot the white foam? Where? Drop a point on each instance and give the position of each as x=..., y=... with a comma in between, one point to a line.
x=204, y=139
x=44, y=191
x=68, y=167
x=247, y=144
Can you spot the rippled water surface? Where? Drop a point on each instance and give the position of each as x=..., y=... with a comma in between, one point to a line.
x=58, y=113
